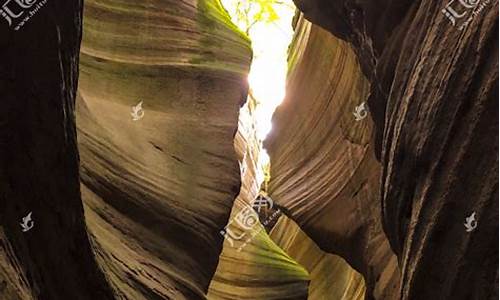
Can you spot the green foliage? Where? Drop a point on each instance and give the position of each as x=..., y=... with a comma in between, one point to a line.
x=266, y=11
x=250, y=12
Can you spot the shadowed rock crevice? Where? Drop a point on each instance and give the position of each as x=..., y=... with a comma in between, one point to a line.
x=39, y=162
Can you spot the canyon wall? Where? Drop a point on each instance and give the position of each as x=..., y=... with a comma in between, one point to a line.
x=251, y=265
x=386, y=143
x=433, y=97
x=51, y=257
x=323, y=169
x=159, y=181
x=331, y=277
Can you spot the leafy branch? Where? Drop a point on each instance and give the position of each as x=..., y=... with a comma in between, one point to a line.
x=251, y=12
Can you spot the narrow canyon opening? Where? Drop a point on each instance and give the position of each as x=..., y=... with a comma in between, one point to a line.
x=138, y=160
x=268, y=25
x=281, y=260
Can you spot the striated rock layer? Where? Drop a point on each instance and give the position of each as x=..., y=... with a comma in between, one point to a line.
x=158, y=190
x=389, y=193
x=251, y=265
x=331, y=277
x=323, y=171
x=39, y=161
x=434, y=100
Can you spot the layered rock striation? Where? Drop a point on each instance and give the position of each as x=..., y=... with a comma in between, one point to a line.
x=159, y=179
x=323, y=169
x=51, y=256
x=433, y=73
x=331, y=277
x=384, y=153
x=251, y=265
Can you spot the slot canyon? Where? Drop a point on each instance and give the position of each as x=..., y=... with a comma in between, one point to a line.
x=132, y=165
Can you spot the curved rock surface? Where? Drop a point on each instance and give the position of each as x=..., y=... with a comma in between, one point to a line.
x=158, y=189
x=434, y=102
x=251, y=265
x=323, y=171
x=405, y=192
x=331, y=277
x=52, y=258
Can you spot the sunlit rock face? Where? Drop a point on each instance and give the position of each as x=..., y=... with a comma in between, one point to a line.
x=159, y=184
x=251, y=265
x=52, y=259
x=323, y=169
x=434, y=100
